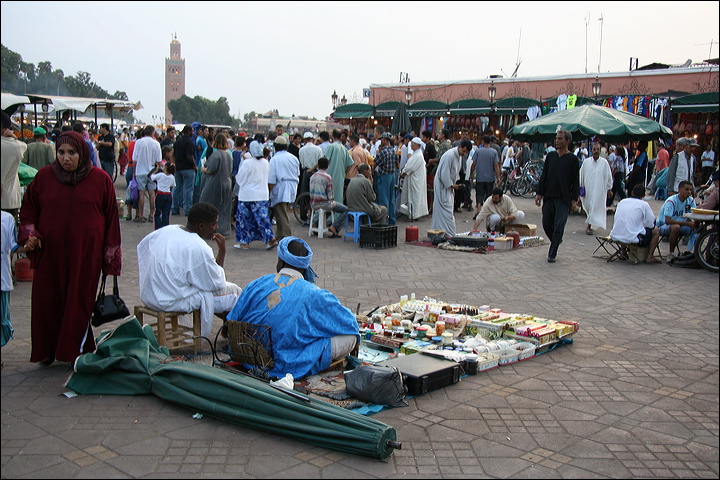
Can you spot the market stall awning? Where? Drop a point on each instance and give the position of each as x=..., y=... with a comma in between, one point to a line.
x=353, y=110
x=514, y=105
x=470, y=106
x=386, y=109
x=428, y=108
x=588, y=121
x=11, y=100
x=696, y=103
x=81, y=104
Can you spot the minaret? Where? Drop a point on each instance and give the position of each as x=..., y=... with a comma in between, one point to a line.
x=174, y=77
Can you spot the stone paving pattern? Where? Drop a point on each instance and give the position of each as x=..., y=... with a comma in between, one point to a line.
x=635, y=395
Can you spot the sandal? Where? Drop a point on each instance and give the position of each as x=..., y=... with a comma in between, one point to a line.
x=272, y=244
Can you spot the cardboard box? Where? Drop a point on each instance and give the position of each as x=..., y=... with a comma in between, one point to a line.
x=524, y=229
x=503, y=243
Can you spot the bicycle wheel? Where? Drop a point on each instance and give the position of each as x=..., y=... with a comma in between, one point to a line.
x=115, y=171
x=707, y=251
x=530, y=187
x=301, y=208
x=522, y=185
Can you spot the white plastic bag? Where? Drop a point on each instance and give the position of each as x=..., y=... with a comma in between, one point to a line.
x=287, y=382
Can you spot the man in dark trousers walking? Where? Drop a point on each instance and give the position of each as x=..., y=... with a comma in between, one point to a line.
x=558, y=190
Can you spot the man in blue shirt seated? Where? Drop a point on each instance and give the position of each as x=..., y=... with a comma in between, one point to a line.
x=670, y=221
x=310, y=328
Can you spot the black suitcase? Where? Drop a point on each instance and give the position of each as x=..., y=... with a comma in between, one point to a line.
x=424, y=373
x=469, y=241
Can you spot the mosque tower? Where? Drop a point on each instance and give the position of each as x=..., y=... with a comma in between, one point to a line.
x=174, y=77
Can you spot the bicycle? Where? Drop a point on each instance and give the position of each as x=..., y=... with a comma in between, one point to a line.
x=301, y=208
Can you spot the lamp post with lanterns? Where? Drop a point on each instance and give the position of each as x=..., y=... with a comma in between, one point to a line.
x=492, y=90
x=334, y=99
x=596, y=86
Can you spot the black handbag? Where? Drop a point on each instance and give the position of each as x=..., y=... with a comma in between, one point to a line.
x=108, y=307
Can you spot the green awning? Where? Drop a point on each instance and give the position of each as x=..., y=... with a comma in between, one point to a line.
x=470, y=106
x=354, y=110
x=696, y=103
x=514, y=105
x=386, y=109
x=428, y=108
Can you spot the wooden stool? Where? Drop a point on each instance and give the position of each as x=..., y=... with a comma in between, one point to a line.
x=168, y=331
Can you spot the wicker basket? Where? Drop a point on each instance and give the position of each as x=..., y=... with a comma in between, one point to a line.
x=250, y=344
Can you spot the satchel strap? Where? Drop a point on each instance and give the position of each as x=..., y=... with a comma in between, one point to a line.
x=116, y=290
x=102, y=285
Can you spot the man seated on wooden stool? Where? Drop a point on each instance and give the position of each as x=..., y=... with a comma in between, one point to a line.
x=178, y=272
x=635, y=223
x=310, y=328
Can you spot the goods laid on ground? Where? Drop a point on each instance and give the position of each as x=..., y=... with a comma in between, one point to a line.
x=473, y=338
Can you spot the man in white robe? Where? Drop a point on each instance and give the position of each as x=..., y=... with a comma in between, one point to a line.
x=413, y=202
x=596, y=178
x=444, y=186
x=178, y=272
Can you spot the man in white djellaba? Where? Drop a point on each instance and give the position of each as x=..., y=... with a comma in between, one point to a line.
x=596, y=178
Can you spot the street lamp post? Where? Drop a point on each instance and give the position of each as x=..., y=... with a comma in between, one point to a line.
x=343, y=100
x=334, y=98
x=408, y=96
x=492, y=90
x=596, y=86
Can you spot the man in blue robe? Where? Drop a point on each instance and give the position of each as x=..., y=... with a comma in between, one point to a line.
x=310, y=328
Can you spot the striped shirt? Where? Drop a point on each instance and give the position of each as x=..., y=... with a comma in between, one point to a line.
x=321, y=190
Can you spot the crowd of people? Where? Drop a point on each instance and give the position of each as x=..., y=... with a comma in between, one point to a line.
x=227, y=183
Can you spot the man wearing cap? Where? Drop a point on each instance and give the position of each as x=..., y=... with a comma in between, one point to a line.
x=12, y=153
x=340, y=162
x=106, y=149
x=682, y=165
x=386, y=164
x=413, y=202
x=310, y=328
x=283, y=182
x=39, y=154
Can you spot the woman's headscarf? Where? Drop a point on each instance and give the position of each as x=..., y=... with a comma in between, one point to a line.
x=256, y=149
x=295, y=261
x=84, y=164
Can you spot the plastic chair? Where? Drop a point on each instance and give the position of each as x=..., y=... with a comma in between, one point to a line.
x=357, y=222
x=661, y=193
x=321, y=226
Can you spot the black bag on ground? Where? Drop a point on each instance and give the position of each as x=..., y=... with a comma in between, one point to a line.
x=108, y=307
x=684, y=260
x=377, y=385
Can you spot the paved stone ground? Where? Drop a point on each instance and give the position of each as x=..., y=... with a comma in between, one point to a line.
x=636, y=395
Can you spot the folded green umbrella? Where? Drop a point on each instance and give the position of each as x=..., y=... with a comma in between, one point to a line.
x=129, y=361
x=26, y=173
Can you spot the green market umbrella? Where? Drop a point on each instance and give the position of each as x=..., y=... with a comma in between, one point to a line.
x=401, y=120
x=128, y=361
x=590, y=120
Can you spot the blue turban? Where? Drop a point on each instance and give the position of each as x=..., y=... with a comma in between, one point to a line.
x=256, y=149
x=298, y=262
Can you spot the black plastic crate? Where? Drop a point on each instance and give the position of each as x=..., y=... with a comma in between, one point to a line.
x=373, y=236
